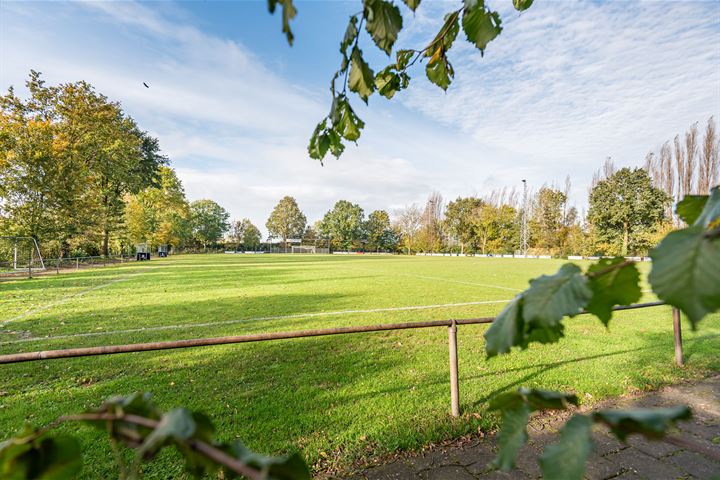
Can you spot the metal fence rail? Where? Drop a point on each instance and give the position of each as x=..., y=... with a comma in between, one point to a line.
x=452, y=325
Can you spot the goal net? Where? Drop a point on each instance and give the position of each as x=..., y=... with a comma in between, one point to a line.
x=19, y=256
x=303, y=249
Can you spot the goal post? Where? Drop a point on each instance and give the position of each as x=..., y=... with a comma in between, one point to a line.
x=302, y=249
x=19, y=256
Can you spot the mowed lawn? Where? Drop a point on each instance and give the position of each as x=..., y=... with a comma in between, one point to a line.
x=337, y=399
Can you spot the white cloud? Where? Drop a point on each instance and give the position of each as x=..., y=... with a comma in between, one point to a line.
x=564, y=86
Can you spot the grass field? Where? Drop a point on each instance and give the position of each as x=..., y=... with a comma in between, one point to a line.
x=337, y=399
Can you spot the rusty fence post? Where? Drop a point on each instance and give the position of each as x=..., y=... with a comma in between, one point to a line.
x=454, y=386
x=677, y=330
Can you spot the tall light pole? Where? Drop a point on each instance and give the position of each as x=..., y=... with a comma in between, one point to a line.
x=524, y=226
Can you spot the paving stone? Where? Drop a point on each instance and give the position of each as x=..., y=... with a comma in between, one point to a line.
x=398, y=470
x=645, y=465
x=527, y=462
x=657, y=449
x=605, y=444
x=701, y=429
x=497, y=475
x=697, y=465
x=599, y=468
x=627, y=476
x=431, y=459
x=471, y=455
x=449, y=472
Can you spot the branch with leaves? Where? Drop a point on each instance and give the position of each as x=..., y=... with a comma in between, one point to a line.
x=135, y=422
x=383, y=21
x=685, y=274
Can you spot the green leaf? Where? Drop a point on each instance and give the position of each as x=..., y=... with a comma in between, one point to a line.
x=521, y=5
x=506, y=330
x=291, y=467
x=481, y=26
x=547, y=399
x=618, y=286
x=551, y=297
x=362, y=78
x=412, y=4
x=29, y=456
x=177, y=425
x=403, y=58
x=288, y=13
x=439, y=71
x=446, y=36
x=383, y=23
x=319, y=142
x=351, y=33
x=349, y=125
x=650, y=422
x=566, y=459
x=686, y=272
x=711, y=211
x=388, y=82
x=512, y=436
x=690, y=207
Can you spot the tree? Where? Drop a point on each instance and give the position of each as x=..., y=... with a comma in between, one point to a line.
x=430, y=238
x=286, y=220
x=548, y=218
x=494, y=228
x=379, y=231
x=209, y=221
x=458, y=219
x=344, y=224
x=408, y=224
x=160, y=214
x=623, y=203
x=251, y=236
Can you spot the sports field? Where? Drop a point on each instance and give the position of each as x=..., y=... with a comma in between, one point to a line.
x=337, y=399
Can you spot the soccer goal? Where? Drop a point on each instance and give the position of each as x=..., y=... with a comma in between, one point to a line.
x=302, y=249
x=19, y=256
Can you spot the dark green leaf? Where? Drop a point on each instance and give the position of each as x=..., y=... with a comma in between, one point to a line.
x=28, y=456
x=551, y=297
x=618, y=286
x=506, y=330
x=439, y=71
x=686, y=272
x=319, y=142
x=481, y=26
x=650, y=422
x=566, y=459
x=690, y=207
x=711, y=211
x=336, y=145
x=176, y=425
x=512, y=436
x=412, y=4
x=547, y=399
x=288, y=13
x=291, y=467
x=403, y=58
x=362, y=78
x=521, y=5
x=351, y=33
x=383, y=22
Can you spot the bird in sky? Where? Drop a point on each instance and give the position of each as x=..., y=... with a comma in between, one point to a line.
x=146, y=85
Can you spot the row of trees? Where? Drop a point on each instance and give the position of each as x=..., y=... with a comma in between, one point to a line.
x=81, y=177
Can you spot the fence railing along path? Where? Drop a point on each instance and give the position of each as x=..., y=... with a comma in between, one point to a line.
x=451, y=324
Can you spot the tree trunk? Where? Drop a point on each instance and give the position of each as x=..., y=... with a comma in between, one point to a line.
x=462, y=248
x=626, y=240
x=106, y=242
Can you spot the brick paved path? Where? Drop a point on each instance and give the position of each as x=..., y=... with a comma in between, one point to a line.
x=693, y=452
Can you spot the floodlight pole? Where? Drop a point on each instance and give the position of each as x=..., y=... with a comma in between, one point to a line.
x=524, y=226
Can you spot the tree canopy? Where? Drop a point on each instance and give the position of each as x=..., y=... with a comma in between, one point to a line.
x=286, y=220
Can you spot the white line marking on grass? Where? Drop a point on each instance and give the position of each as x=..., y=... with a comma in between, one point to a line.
x=254, y=319
x=67, y=298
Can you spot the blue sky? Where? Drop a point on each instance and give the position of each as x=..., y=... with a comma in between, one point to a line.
x=565, y=85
